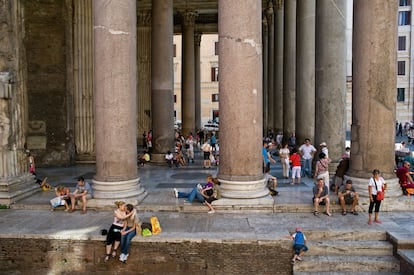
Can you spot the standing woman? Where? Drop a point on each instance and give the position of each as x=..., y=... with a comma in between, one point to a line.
x=131, y=226
x=376, y=183
x=284, y=154
x=32, y=166
x=113, y=239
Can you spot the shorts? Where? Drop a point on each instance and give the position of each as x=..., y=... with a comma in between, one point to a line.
x=206, y=155
x=299, y=248
x=114, y=234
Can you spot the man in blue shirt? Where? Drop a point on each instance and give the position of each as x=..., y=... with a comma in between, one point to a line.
x=83, y=191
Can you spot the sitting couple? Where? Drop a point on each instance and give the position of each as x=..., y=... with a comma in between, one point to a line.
x=125, y=226
x=203, y=193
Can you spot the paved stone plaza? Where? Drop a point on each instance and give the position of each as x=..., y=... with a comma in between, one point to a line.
x=31, y=217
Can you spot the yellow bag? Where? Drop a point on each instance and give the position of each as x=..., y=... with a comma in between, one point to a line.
x=156, y=227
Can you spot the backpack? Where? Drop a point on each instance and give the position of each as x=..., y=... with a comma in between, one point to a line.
x=299, y=238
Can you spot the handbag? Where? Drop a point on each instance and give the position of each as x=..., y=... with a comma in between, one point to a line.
x=380, y=194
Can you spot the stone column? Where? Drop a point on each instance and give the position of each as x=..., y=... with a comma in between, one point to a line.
x=289, y=69
x=305, y=70
x=265, y=39
x=162, y=79
x=331, y=77
x=15, y=181
x=83, y=101
x=188, y=75
x=373, y=98
x=143, y=74
x=197, y=104
x=271, y=63
x=115, y=102
x=278, y=76
x=242, y=182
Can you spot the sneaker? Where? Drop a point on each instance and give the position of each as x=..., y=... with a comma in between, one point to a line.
x=176, y=192
x=126, y=257
x=122, y=257
x=211, y=212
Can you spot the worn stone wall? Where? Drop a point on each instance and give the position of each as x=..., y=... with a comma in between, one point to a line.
x=46, y=42
x=41, y=256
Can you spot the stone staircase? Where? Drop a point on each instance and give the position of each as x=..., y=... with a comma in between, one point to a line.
x=348, y=252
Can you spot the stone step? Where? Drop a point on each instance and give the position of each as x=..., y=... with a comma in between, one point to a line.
x=348, y=264
x=345, y=235
x=345, y=273
x=351, y=248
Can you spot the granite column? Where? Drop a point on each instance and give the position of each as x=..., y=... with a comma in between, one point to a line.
x=115, y=102
x=188, y=75
x=278, y=70
x=197, y=76
x=330, y=98
x=373, y=98
x=242, y=182
x=162, y=79
x=305, y=70
x=289, y=68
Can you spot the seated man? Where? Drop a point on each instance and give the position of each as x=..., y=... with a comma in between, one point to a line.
x=169, y=158
x=83, y=191
x=404, y=176
x=271, y=182
x=347, y=195
x=321, y=197
x=145, y=158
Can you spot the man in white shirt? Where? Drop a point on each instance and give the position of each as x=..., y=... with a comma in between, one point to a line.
x=307, y=151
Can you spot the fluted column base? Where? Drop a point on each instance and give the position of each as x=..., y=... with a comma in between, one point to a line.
x=243, y=193
x=394, y=199
x=15, y=188
x=105, y=193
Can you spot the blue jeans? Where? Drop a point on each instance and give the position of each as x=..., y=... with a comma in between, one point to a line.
x=307, y=167
x=126, y=241
x=192, y=195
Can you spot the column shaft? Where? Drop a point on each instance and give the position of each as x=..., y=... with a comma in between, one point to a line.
x=115, y=98
x=240, y=100
x=289, y=71
x=278, y=76
x=162, y=78
x=373, y=89
x=265, y=38
x=143, y=74
x=331, y=76
x=305, y=70
x=271, y=64
x=197, y=77
x=83, y=100
x=188, y=75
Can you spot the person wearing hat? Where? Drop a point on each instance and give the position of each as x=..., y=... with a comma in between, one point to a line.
x=347, y=195
x=299, y=244
x=324, y=148
x=82, y=192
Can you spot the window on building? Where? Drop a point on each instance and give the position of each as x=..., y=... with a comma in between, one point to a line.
x=400, y=94
x=405, y=2
x=404, y=18
x=174, y=50
x=402, y=43
x=214, y=74
x=401, y=67
x=175, y=98
x=215, y=97
x=216, y=48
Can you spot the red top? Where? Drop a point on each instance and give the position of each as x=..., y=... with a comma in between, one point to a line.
x=295, y=159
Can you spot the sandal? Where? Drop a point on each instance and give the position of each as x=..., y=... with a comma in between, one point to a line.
x=328, y=214
x=344, y=213
x=354, y=213
x=316, y=213
x=114, y=254
x=107, y=257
